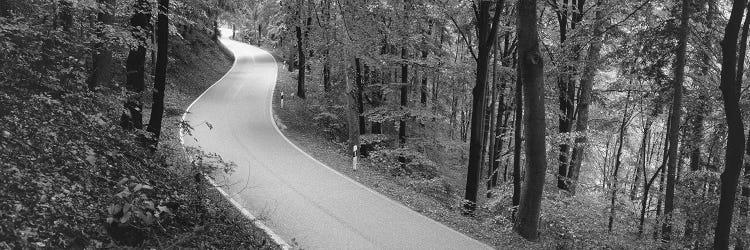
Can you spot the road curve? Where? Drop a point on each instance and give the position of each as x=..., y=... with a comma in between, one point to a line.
x=295, y=195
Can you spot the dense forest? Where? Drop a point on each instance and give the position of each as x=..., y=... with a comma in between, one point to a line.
x=91, y=94
x=574, y=123
x=599, y=121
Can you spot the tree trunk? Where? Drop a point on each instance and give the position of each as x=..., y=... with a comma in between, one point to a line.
x=360, y=104
x=352, y=111
x=404, y=98
x=618, y=162
x=301, y=64
x=492, y=131
x=101, y=71
x=327, y=74
x=423, y=88
x=532, y=75
x=132, y=116
x=679, y=69
x=660, y=199
x=647, y=185
x=160, y=73
x=486, y=39
x=517, y=139
x=730, y=91
x=566, y=85
x=587, y=84
x=745, y=207
x=641, y=168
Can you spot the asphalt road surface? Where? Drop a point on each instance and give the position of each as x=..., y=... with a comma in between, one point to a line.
x=296, y=196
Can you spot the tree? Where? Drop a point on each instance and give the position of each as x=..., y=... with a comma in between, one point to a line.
x=486, y=34
x=730, y=92
x=101, y=72
x=160, y=73
x=301, y=47
x=132, y=116
x=587, y=84
x=618, y=162
x=531, y=69
x=566, y=80
x=679, y=78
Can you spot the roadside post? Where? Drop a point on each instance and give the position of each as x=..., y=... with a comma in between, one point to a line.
x=354, y=157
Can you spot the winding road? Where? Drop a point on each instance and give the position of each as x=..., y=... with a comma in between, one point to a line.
x=299, y=198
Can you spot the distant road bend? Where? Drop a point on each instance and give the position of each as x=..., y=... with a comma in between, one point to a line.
x=295, y=195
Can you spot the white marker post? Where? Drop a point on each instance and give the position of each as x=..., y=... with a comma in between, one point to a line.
x=282, y=99
x=354, y=158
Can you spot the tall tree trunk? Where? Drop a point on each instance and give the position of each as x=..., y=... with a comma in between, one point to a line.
x=423, y=89
x=360, y=104
x=745, y=207
x=647, y=185
x=486, y=39
x=132, y=116
x=660, y=199
x=352, y=110
x=327, y=74
x=642, y=152
x=327, y=54
x=618, y=162
x=730, y=91
x=101, y=72
x=517, y=139
x=301, y=64
x=404, y=98
x=532, y=75
x=679, y=69
x=566, y=85
x=492, y=131
x=160, y=73
x=587, y=84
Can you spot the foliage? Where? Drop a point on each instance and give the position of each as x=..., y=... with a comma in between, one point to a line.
x=71, y=177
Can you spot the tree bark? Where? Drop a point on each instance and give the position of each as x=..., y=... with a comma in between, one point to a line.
x=404, y=98
x=641, y=168
x=352, y=111
x=532, y=75
x=492, y=131
x=301, y=64
x=745, y=207
x=360, y=104
x=517, y=140
x=486, y=39
x=679, y=74
x=730, y=91
x=618, y=162
x=101, y=71
x=160, y=73
x=566, y=85
x=132, y=117
x=587, y=84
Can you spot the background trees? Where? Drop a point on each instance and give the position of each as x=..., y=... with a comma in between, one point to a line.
x=632, y=96
x=617, y=72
